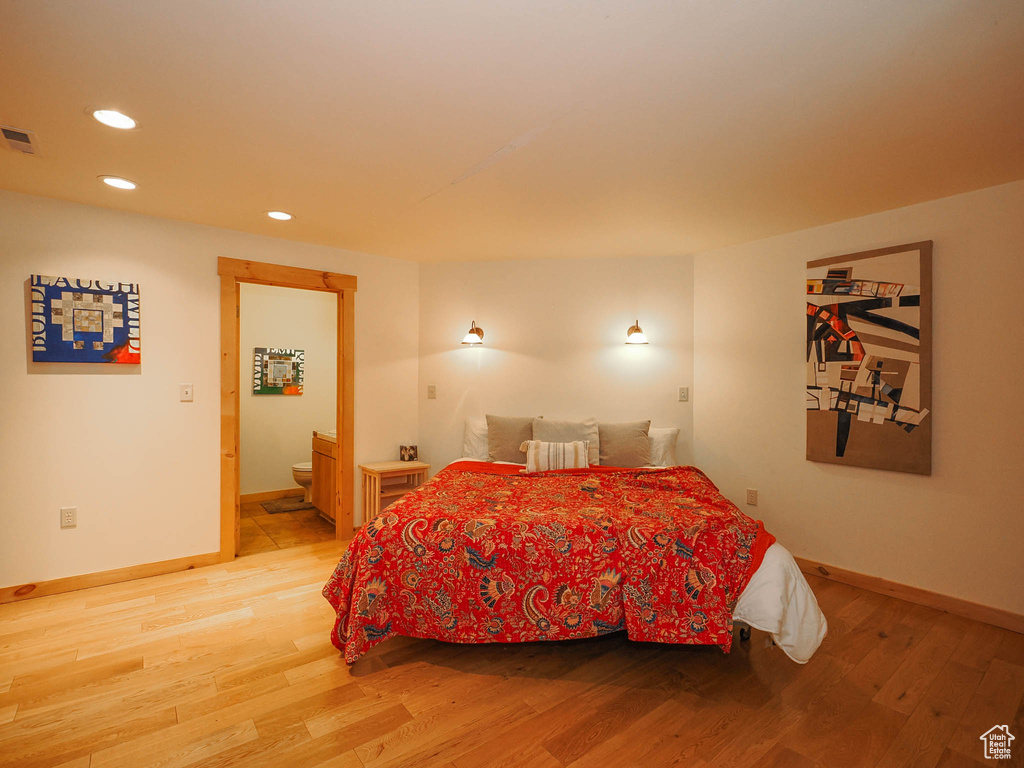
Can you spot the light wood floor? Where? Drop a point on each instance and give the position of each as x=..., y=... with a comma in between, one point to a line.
x=261, y=532
x=232, y=665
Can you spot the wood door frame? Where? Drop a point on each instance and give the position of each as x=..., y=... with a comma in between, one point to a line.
x=233, y=272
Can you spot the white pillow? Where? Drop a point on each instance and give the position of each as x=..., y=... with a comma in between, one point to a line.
x=663, y=446
x=474, y=439
x=542, y=456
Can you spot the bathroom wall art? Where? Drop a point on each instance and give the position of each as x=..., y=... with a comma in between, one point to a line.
x=78, y=320
x=869, y=357
x=277, y=371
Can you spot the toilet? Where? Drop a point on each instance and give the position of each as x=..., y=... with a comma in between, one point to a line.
x=302, y=473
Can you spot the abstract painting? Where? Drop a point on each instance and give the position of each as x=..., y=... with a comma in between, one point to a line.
x=277, y=371
x=869, y=359
x=76, y=320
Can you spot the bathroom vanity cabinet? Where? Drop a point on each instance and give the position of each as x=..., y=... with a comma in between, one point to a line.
x=325, y=457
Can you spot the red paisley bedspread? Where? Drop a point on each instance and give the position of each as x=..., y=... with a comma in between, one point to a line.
x=482, y=554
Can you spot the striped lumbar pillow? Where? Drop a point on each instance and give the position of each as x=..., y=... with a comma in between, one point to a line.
x=541, y=456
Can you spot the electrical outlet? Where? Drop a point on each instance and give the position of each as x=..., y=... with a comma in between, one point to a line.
x=69, y=517
x=185, y=393
x=752, y=497
x=684, y=394
x=431, y=392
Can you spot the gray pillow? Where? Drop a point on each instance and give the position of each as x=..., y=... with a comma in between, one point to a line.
x=625, y=445
x=504, y=436
x=554, y=431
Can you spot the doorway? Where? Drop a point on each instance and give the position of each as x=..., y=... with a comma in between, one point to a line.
x=287, y=371
x=233, y=272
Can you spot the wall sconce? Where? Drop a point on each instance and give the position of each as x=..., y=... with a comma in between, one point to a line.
x=475, y=336
x=635, y=334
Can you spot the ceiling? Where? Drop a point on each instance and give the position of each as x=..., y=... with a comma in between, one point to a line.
x=437, y=130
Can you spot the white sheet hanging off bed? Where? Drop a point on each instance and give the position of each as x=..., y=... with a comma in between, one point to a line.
x=778, y=600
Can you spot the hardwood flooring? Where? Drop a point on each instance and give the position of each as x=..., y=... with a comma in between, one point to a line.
x=232, y=665
x=261, y=532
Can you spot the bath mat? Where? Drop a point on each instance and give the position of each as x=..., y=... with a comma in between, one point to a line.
x=290, y=504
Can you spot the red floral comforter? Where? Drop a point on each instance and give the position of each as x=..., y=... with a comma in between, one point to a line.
x=482, y=553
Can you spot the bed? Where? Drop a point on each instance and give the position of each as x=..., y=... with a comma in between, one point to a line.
x=485, y=553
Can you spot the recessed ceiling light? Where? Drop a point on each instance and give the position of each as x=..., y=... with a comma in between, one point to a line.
x=114, y=119
x=280, y=215
x=118, y=182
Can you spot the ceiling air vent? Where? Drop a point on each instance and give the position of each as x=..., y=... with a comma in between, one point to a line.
x=19, y=140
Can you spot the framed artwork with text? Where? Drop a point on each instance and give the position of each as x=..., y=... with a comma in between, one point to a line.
x=277, y=371
x=79, y=320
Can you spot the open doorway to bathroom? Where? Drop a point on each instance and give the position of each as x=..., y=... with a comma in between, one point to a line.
x=288, y=371
x=334, y=490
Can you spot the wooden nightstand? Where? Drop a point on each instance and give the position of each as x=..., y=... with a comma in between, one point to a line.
x=405, y=476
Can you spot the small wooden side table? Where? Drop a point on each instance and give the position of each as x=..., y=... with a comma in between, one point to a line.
x=377, y=494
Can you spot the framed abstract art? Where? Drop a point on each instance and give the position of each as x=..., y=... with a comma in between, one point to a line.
x=869, y=358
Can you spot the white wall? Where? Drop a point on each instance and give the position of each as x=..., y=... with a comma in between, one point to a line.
x=554, y=344
x=276, y=430
x=114, y=440
x=143, y=467
x=960, y=531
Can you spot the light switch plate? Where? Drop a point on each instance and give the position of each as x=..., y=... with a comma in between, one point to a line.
x=185, y=393
x=684, y=394
x=431, y=392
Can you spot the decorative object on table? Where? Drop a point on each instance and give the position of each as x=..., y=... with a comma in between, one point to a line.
x=277, y=371
x=75, y=320
x=869, y=359
x=408, y=452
